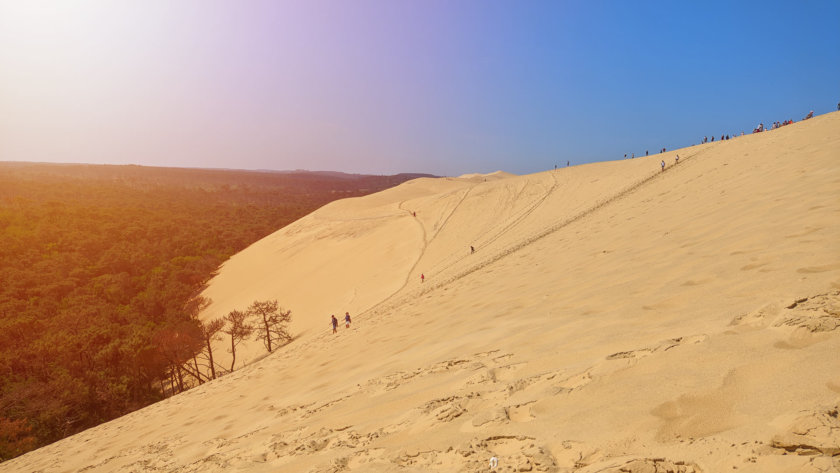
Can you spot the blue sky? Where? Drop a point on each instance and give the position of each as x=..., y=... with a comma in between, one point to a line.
x=402, y=86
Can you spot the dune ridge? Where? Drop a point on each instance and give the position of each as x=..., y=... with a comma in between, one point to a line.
x=613, y=318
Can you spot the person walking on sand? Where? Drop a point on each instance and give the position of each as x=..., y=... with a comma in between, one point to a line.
x=663, y=164
x=677, y=159
x=347, y=320
x=472, y=249
x=334, y=323
x=422, y=277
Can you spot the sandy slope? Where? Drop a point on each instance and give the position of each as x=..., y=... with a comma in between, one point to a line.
x=613, y=318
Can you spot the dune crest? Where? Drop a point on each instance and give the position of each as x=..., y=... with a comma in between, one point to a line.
x=478, y=177
x=608, y=317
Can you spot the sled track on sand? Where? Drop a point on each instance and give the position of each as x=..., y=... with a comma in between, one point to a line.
x=390, y=303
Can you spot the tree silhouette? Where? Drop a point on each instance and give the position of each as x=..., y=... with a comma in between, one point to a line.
x=271, y=324
x=178, y=343
x=210, y=332
x=238, y=328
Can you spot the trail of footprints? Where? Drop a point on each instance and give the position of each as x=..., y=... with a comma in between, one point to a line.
x=344, y=448
x=494, y=392
x=521, y=454
x=495, y=378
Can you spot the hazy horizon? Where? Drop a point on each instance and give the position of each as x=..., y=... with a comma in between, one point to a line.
x=376, y=87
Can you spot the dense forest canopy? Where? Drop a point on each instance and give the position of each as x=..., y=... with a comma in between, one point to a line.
x=98, y=268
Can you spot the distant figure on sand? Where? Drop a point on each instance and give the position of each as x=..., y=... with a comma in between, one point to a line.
x=677, y=159
x=334, y=323
x=472, y=249
x=422, y=277
x=567, y=164
x=414, y=213
x=663, y=164
x=347, y=320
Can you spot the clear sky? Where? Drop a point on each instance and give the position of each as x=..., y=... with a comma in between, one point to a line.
x=444, y=87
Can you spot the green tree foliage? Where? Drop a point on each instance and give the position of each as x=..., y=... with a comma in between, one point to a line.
x=272, y=323
x=15, y=438
x=99, y=271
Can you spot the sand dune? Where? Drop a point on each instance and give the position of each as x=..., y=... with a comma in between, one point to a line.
x=613, y=318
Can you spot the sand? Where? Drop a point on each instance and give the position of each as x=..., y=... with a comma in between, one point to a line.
x=612, y=318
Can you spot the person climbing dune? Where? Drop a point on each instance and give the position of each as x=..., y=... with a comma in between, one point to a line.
x=422, y=277
x=334, y=323
x=347, y=320
x=663, y=164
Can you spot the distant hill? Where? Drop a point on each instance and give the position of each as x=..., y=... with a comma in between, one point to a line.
x=344, y=175
x=150, y=175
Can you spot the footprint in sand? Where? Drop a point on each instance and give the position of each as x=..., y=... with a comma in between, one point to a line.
x=820, y=313
x=365, y=459
x=630, y=355
x=335, y=465
x=514, y=453
x=530, y=382
x=487, y=417
x=393, y=381
x=759, y=318
x=665, y=345
x=572, y=383
x=506, y=373
x=520, y=412
x=641, y=465
x=815, y=433
x=446, y=409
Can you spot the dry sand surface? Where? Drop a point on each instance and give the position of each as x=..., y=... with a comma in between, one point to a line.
x=613, y=318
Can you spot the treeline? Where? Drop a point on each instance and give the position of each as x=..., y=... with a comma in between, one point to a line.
x=100, y=268
x=188, y=350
